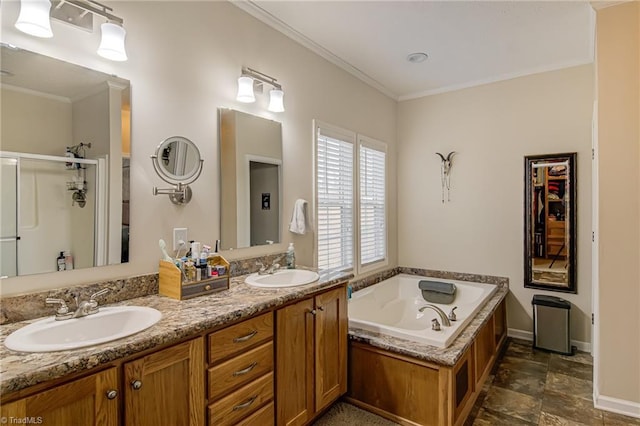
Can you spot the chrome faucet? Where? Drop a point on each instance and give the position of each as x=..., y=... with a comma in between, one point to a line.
x=84, y=308
x=269, y=269
x=440, y=312
x=88, y=307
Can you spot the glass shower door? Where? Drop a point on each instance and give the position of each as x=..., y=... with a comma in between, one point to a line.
x=9, y=217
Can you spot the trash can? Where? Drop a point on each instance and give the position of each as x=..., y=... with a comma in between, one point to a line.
x=551, y=324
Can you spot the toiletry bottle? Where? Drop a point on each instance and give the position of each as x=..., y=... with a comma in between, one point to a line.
x=61, y=261
x=68, y=261
x=291, y=257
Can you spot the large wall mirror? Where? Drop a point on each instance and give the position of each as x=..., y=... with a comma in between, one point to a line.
x=65, y=133
x=550, y=222
x=250, y=179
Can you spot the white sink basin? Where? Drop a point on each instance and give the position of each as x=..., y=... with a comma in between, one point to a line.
x=283, y=278
x=108, y=324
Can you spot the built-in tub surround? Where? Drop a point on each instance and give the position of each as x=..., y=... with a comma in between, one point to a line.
x=393, y=307
x=180, y=320
x=28, y=306
x=442, y=356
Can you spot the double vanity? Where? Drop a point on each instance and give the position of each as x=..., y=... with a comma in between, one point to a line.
x=248, y=355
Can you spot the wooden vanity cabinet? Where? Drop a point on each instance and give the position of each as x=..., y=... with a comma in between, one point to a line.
x=311, y=356
x=166, y=387
x=240, y=373
x=92, y=400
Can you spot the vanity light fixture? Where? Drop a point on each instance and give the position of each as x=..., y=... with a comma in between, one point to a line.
x=34, y=20
x=252, y=79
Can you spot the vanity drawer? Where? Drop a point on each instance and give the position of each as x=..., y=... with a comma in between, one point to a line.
x=235, y=339
x=263, y=417
x=242, y=403
x=240, y=370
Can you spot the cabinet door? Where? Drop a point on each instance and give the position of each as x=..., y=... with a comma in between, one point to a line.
x=166, y=387
x=294, y=363
x=92, y=400
x=331, y=346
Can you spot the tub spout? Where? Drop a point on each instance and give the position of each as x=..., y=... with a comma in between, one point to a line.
x=440, y=312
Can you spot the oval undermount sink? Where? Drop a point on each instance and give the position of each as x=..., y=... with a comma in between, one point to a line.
x=283, y=278
x=110, y=323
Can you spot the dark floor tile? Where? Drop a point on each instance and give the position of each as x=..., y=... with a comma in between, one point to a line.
x=613, y=419
x=523, y=349
x=570, y=407
x=570, y=368
x=581, y=357
x=547, y=419
x=518, y=381
x=488, y=417
x=523, y=365
x=561, y=383
x=514, y=404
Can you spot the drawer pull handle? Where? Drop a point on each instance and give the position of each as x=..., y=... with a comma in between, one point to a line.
x=245, y=404
x=321, y=308
x=245, y=338
x=312, y=312
x=136, y=384
x=245, y=371
x=112, y=394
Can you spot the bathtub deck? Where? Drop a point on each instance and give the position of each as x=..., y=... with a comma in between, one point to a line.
x=447, y=356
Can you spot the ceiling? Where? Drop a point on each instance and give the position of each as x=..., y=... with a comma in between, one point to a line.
x=467, y=42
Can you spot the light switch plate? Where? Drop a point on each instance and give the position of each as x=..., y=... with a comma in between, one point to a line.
x=178, y=235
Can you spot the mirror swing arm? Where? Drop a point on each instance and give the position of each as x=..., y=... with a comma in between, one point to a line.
x=181, y=193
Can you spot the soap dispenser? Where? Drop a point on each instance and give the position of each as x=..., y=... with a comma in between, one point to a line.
x=291, y=257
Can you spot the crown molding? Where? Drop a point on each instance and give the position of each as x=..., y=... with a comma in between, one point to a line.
x=262, y=15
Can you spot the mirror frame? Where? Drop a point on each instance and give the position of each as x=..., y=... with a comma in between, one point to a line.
x=571, y=217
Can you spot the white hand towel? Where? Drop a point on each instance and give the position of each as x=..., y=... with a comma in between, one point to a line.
x=299, y=222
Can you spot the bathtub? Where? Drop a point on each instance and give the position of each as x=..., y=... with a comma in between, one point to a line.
x=391, y=307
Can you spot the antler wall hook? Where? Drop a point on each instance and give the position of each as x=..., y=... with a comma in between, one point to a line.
x=445, y=173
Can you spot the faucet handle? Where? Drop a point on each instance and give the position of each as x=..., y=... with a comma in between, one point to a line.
x=93, y=304
x=63, y=311
x=262, y=267
x=452, y=314
x=435, y=325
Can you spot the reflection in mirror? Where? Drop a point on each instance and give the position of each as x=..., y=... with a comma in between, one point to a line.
x=64, y=164
x=178, y=159
x=251, y=180
x=550, y=222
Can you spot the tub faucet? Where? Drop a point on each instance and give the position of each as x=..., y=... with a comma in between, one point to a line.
x=440, y=312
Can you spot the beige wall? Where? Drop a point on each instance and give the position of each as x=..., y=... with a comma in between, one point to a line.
x=492, y=127
x=618, y=70
x=184, y=64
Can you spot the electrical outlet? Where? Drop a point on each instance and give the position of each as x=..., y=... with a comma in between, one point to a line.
x=178, y=235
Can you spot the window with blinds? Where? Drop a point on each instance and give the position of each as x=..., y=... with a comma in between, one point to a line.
x=335, y=201
x=373, y=241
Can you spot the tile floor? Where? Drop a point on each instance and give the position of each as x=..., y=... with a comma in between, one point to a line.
x=526, y=387
x=533, y=387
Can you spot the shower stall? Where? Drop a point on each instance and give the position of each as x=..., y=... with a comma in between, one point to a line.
x=51, y=204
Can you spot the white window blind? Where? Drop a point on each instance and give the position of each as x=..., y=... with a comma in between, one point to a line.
x=335, y=190
x=373, y=241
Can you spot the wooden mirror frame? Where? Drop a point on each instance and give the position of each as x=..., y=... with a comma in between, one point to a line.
x=570, y=218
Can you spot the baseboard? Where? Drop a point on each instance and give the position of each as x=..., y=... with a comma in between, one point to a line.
x=528, y=335
x=615, y=405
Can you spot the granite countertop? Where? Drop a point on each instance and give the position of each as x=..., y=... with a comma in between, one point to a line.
x=180, y=319
x=443, y=356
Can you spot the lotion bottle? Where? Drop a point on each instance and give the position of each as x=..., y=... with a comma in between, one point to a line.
x=291, y=257
x=61, y=261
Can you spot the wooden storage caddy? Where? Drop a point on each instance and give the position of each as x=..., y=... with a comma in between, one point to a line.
x=171, y=280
